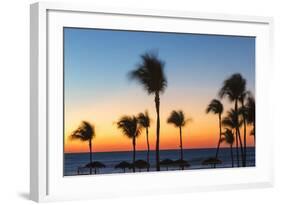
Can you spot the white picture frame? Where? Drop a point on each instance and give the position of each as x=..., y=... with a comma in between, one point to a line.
x=46, y=178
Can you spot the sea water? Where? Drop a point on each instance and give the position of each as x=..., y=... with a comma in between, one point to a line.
x=195, y=157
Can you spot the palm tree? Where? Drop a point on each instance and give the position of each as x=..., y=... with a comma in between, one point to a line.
x=216, y=107
x=130, y=128
x=144, y=121
x=85, y=132
x=251, y=113
x=242, y=110
x=233, y=88
x=229, y=139
x=232, y=122
x=150, y=74
x=177, y=118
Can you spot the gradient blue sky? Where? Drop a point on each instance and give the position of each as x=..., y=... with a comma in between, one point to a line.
x=200, y=59
x=97, y=63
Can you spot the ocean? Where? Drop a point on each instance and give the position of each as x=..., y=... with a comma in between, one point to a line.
x=194, y=156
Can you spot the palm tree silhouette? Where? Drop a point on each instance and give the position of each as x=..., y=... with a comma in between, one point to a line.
x=233, y=88
x=243, y=112
x=150, y=74
x=216, y=107
x=144, y=121
x=251, y=113
x=229, y=139
x=232, y=121
x=177, y=118
x=85, y=132
x=130, y=128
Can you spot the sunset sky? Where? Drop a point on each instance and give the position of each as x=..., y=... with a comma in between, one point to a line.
x=97, y=88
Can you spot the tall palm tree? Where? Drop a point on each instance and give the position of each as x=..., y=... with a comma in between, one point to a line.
x=229, y=139
x=85, y=132
x=144, y=121
x=130, y=128
x=251, y=113
x=232, y=122
x=150, y=74
x=216, y=107
x=243, y=112
x=177, y=118
x=233, y=88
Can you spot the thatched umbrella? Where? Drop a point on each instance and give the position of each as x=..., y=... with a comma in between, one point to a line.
x=181, y=163
x=123, y=165
x=96, y=165
x=140, y=164
x=211, y=161
x=166, y=163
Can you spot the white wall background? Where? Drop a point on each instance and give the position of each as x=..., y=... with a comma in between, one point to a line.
x=14, y=101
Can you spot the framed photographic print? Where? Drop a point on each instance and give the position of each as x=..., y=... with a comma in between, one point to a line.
x=128, y=101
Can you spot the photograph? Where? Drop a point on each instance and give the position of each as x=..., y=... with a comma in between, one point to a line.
x=147, y=101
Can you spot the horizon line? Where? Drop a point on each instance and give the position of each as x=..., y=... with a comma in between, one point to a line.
x=144, y=150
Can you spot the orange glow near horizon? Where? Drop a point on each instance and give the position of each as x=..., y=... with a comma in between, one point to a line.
x=201, y=132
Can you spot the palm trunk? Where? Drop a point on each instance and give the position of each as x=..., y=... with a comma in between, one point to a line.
x=181, y=147
x=91, y=160
x=134, y=153
x=241, y=148
x=238, y=131
x=219, y=142
x=148, y=149
x=254, y=126
x=245, y=142
x=231, y=155
x=181, y=156
x=157, y=105
x=237, y=151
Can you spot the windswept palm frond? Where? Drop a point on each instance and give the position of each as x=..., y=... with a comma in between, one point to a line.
x=144, y=119
x=84, y=132
x=232, y=120
x=233, y=87
x=129, y=126
x=215, y=106
x=228, y=136
x=150, y=73
x=177, y=118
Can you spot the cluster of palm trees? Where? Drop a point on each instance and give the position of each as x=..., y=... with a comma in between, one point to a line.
x=132, y=126
x=150, y=75
x=243, y=114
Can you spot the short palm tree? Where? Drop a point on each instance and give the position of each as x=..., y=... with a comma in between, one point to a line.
x=177, y=118
x=232, y=121
x=233, y=88
x=85, y=132
x=130, y=128
x=216, y=107
x=144, y=121
x=150, y=74
x=229, y=139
